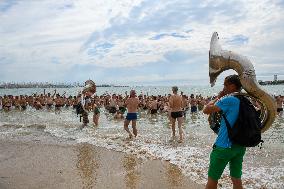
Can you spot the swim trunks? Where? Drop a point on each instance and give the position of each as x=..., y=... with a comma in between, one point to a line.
x=193, y=109
x=154, y=111
x=96, y=111
x=122, y=109
x=131, y=116
x=112, y=110
x=176, y=114
x=49, y=105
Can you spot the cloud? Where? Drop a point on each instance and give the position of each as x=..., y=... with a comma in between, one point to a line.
x=134, y=41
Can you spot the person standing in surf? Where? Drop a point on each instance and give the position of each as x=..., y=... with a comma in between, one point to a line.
x=224, y=151
x=96, y=110
x=279, y=101
x=177, y=113
x=132, y=106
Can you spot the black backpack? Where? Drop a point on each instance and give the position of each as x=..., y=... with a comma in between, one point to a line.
x=247, y=128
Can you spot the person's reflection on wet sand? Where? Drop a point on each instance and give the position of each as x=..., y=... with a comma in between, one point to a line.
x=87, y=165
x=132, y=175
x=174, y=175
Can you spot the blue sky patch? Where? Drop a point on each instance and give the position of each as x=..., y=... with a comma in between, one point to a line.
x=160, y=36
x=100, y=49
x=5, y=5
x=238, y=40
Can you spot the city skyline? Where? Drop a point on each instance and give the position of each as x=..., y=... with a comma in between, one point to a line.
x=135, y=42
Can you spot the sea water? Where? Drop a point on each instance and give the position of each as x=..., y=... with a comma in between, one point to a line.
x=262, y=168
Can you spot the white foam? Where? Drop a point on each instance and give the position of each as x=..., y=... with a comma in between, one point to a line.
x=153, y=143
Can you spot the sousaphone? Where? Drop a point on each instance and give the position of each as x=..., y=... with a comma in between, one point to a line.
x=90, y=87
x=221, y=60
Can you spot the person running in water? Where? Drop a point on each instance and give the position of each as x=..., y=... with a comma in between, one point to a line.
x=132, y=106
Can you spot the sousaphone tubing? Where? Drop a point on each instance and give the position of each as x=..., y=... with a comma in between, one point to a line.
x=221, y=60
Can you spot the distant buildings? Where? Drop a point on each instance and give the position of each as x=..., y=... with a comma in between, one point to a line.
x=14, y=85
x=274, y=82
x=278, y=82
x=275, y=77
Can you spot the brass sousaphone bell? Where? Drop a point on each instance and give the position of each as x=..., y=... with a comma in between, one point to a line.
x=89, y=88
x=221, y=60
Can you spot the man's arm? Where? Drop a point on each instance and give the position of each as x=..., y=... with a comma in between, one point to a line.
x=171, y=101
x=126, y=102
x=211, y=108
x=54, y=93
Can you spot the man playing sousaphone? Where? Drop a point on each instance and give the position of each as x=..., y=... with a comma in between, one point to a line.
x=88, y=91
x=241, y=125
x=224, y=151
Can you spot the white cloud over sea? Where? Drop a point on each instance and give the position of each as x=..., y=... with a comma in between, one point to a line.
x=135, y=42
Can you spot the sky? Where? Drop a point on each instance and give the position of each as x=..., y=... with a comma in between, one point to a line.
x=135, y=42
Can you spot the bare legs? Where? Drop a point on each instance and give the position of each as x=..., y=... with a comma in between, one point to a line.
x=134, y=129
x=96, y=119
x=212, y=184
x=179, y=119
x=237, y=183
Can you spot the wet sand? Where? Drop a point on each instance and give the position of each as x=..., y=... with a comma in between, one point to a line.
x=34, y=165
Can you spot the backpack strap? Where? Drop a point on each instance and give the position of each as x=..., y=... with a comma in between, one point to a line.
x=227, y=123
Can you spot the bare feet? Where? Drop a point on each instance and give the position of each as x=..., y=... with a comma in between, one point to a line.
x=82, y=126
x=172, y=139
x=130, y=137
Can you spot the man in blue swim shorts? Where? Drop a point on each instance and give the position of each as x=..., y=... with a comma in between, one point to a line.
x=132, y=106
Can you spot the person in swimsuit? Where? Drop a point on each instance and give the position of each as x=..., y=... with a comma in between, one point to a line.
x=185, y=105
x=68, y=101
x=7, y=103
x=113, y=104
x=23, y=102
x=1, y=103
x=132, y=106
x=96, y=114
x=58, y=103
x=154, y=105
x=118, y=115
x=176, y=103
x=279, y=101
x=193, y=103
x=121, y=104
x=50, y=100
x=17, y=103
x=37, y=104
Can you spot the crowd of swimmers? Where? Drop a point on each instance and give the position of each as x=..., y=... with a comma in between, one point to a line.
x=113, y=103
x=174, y=105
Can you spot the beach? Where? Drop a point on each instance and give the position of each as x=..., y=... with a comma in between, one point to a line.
x=40, y=164
x=45, y=148
x=136, y=94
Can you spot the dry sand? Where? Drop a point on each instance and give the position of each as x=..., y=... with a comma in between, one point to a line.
x=35, y=165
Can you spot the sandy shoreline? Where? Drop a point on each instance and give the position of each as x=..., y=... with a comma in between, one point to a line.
x=34, y=164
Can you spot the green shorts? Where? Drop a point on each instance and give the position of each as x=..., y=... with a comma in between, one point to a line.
x=220, y=157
